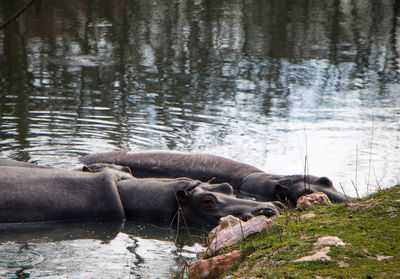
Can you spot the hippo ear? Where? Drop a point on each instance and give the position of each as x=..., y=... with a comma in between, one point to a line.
x=181, y=197
x=325, y=181
x=86, y=169
x=127, y=170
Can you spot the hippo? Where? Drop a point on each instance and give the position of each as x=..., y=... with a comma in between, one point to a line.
x=244, y=178
x=45, y=194
x=40, y=194
x=196, y=201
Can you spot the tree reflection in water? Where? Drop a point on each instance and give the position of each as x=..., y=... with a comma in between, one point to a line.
x=263, y=82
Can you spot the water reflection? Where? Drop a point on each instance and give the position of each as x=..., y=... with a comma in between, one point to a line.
x=81, y=77
x=263, y=82
x=106, y=250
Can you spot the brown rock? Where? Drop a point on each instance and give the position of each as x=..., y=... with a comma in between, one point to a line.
x=227, y=235
x=214, y=266
x=313, y=199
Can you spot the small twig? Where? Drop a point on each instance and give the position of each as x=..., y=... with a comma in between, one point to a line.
x=355, y=188
x=370, y=151
x=184, y=221
x=184, y=270
x=172, y=222
x=14, y=17
x=376, y=179
x=173, y=219
x=241, y=228
x=341, y=186
x=306, y=169
x=178, y=215
x=356, y=166
x=177, y=226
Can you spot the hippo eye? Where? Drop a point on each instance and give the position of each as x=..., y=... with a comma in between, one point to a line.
x=208, y=202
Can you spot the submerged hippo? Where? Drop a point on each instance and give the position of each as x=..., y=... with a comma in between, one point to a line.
x=244, y=178
x=39, y=194
x=198, y=202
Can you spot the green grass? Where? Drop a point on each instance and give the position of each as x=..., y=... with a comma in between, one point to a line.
x=370, y=227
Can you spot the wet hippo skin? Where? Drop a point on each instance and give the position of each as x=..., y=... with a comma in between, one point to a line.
x=243, y=177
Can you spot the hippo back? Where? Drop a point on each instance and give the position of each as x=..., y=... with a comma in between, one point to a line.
x=36, y=195
x=205, y=167
x=173, y=164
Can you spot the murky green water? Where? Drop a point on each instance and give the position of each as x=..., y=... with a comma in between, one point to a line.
x=263, y=82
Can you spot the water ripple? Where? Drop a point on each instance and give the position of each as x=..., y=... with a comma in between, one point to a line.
x=14, y=256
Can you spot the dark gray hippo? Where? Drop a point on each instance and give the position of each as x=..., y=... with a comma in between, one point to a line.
x=40, y=194
x=197, y=202
x=215, y=169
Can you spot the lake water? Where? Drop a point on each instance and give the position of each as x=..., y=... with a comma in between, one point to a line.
x=96, y=250
x=287, y=86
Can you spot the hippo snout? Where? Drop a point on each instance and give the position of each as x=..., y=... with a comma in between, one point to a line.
x=279, y=205
x=266, y=211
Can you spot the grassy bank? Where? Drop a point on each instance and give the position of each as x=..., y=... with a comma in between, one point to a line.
x=369, y=227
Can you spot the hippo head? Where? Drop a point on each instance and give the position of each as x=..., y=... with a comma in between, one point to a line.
x=290, y=188
x=206, y=203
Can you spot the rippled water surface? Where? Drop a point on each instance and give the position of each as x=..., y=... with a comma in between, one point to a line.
x=95, y=250
x=275, y=84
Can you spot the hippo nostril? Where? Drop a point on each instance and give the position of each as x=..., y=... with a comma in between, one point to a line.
x=246, y=217
x=279, y=205
x=268, y=212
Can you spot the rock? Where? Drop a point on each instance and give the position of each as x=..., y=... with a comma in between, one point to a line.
x=224, y=223
x=382, y=257
x=313, y=199
x=228, y=235
x=213, y=267
x=330, y=240
x=320, y=254
x=307, y=216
